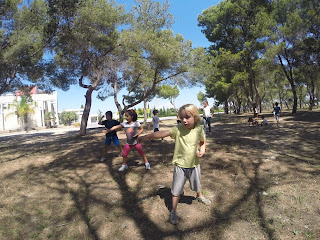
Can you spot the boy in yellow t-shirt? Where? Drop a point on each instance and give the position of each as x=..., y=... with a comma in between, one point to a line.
x=188, y=135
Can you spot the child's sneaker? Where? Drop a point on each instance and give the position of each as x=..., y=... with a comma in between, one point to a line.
x=204, y=200
x=147, y=165
x=102, y=159
x=123, y=167
x=174, y=217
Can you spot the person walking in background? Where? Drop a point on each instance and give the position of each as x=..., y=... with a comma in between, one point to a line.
x=155, y=120
x=110, y=136
x=133, y=129
x=255, y=111
x=207, y=114
x=273, y=110
x=277, y=111
x=188, y=136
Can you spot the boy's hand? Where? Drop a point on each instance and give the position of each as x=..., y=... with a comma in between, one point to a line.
x=200, y=154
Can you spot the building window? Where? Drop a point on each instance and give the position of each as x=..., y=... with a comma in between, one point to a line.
x=94, y=119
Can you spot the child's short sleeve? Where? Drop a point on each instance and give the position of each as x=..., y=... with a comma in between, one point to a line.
x=137, y=124
x=173, y=132
x=115, y=123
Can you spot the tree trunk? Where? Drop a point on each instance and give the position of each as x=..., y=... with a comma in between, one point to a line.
x=300, y=102
x=295, y=98
x=289, y=76
x=145, y=112
x=86, y=111
x=226, y=108
x=257, y=98
x=247, y=93
x=311, y=94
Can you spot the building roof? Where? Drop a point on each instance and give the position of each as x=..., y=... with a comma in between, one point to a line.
x=33, y=90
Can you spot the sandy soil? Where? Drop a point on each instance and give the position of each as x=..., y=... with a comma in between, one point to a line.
x=263, y=181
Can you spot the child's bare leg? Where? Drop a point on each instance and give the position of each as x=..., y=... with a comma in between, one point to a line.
x=144, y=158
x=175, y=201
x=199, y=194
x=105, y=150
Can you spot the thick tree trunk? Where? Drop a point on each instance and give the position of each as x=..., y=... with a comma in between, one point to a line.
x=226, y=108
x=86, y=111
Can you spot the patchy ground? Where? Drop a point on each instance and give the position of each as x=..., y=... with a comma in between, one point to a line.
x=264, y=183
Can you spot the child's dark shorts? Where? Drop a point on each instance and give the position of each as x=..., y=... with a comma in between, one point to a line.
x=113, y=139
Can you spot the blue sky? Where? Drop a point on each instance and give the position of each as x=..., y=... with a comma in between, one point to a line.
x=185, y=13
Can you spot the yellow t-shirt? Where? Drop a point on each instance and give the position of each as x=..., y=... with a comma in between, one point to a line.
x=187, y=141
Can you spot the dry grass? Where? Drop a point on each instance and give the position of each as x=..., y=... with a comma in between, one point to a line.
x=264, y=183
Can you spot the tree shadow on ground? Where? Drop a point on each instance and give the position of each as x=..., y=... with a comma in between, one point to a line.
x=76, y=158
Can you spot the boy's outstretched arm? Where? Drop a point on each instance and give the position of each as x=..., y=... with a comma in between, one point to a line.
x=154, y=135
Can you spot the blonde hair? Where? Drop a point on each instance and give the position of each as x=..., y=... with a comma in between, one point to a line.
x=192, y=110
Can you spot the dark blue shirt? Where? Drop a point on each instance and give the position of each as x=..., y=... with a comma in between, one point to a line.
x=109, y=124
x=276, y=110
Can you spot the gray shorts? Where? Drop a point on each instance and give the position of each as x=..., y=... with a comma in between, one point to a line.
x=180, y=176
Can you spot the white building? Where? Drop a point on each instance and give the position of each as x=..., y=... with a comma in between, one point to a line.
x=42, y=103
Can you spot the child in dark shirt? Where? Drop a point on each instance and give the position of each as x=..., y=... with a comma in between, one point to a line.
x=110, y=136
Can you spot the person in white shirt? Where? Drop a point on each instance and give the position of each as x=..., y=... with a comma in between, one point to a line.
x=207, y=114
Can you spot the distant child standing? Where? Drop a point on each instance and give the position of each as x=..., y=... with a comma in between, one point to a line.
x=255, y=111
x=110, y=136
x=207, y=113
x=155, y=120
x=188, y=135
x=133, y=129
x=276, y=111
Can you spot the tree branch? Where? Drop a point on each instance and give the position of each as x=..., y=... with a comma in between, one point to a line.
x=81, y=83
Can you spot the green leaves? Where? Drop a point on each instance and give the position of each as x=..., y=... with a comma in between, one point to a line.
x=22, y=43
x=67, y=117
x=168, y=92
x=151, y=16
x=23, y=107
